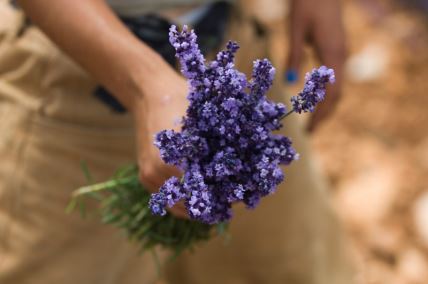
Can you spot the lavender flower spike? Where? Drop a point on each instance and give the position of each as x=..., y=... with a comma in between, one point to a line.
x=227, y=56
x=158, y=203
x=262, y=77
x=187, y=51
x=226, y=147
x=314, y=90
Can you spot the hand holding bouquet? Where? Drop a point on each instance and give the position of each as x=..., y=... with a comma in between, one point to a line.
x=226, y=150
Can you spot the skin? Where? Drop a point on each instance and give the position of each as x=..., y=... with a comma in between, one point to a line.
x=137, y=76
x=320, y=24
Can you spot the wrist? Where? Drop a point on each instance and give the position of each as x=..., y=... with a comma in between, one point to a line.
x=143, y=70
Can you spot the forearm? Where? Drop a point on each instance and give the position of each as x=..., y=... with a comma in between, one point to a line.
x=90, y=33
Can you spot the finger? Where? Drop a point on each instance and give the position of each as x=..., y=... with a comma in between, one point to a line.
x=179, y=211
x=154, y=172
x=325, y=108
x=322, y=112
x=329, y=40
x=153, y=178
x=170, y=171
x=149, y=185
x=298, y=27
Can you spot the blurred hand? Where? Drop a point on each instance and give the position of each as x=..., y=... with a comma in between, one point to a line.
x=319, y=23
x=162, y=105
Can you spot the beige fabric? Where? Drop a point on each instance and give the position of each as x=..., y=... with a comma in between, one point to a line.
x=49, y=122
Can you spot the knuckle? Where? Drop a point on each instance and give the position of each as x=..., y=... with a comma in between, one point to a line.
x=147, y=172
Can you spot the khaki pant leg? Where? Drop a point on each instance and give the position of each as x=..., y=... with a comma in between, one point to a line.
x=49, y=123
x=292, y=237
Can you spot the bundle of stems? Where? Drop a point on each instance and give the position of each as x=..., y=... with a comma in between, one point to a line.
x=123, y=202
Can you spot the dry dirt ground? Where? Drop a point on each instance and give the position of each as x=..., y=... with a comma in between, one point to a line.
x=374, y=147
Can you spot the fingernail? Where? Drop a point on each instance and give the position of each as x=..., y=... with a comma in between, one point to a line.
x=291, y=76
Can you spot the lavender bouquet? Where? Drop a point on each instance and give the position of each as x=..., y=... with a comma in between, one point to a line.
x=227, y=150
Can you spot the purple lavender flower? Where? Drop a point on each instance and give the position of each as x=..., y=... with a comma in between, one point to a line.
x=262, y=78
x=187, y=50
x=158, y=203
x=226, y=148
x=172, y=191
x=314, y=90
x=174, y=147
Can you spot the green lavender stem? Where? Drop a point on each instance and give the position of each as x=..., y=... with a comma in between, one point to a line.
x=102, y=186
x=287, y=114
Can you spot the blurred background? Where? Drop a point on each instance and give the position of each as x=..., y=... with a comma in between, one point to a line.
x=374, y=147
